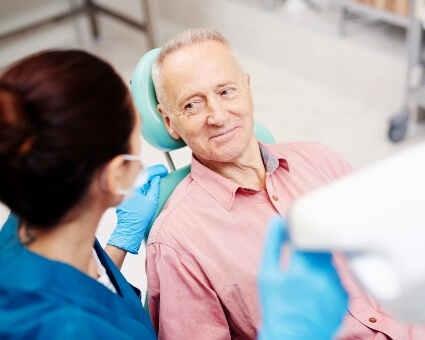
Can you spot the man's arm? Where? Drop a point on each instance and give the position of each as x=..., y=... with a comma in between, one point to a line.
x=182, y=303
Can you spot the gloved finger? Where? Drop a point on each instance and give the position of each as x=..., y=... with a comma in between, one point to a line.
x=318, y=269
x=309, y=261
x=156, y=170
x=277, y=235
x=152, y=190
x=155, y=173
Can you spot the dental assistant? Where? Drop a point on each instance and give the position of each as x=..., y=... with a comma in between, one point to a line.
x=69, y=149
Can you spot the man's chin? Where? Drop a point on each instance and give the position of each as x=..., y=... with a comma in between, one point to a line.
x=226, y=155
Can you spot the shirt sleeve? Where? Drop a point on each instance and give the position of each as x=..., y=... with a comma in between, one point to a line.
x=182, y=303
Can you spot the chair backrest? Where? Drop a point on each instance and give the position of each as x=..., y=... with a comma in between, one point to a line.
x=153, y=128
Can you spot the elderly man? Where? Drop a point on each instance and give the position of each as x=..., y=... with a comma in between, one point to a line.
x=204, y=250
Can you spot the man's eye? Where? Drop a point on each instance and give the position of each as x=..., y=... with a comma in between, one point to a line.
x=194, y=106
x=227, y=92
x=189, y=106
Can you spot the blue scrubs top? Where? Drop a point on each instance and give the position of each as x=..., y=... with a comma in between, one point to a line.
x=45, y=299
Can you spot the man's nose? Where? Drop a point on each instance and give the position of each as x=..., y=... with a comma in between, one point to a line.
x=217, y=112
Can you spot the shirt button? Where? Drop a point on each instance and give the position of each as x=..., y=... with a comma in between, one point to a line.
x=275, y=198
x=373, y=320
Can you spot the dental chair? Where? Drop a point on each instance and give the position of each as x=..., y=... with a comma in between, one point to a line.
x=154, y=131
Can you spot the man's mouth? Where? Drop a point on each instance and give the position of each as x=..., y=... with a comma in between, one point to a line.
x=222, y=133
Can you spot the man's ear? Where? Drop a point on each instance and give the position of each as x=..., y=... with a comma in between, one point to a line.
x=113, y=175
x=248, y=84
x=173, y=133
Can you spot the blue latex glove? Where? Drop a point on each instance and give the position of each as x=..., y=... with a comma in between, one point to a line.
x=304, y=301
x=135, y=214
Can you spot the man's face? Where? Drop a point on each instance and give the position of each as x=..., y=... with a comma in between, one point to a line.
x=210, y=104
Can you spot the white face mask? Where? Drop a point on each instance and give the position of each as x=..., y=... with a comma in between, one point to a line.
x=138, y=182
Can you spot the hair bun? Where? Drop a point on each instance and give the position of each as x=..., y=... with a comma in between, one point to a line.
x=15, y=128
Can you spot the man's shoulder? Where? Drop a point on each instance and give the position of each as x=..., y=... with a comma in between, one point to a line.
x=175, y=211
x=309, y=151
x=299, y=147
x=312, y=159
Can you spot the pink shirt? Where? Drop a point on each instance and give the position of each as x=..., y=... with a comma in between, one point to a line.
x=204, y=250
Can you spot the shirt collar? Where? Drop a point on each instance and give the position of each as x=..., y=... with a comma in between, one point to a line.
x=224, y=189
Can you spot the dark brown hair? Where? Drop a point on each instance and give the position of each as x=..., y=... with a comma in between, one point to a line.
x=63, y=115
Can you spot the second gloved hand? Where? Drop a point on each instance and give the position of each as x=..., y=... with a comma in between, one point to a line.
x=135, y=214
x=304, y=301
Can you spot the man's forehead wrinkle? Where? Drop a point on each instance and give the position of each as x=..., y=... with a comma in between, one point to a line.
x=182, y=92
x=170, y=81
x=182, y=85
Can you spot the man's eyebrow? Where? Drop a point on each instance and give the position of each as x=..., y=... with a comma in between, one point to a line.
x=185, y=98
x=227, y=83
x=181, y=100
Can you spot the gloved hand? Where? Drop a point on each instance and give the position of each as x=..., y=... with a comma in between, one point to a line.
x=304, y=301
x=135, y=214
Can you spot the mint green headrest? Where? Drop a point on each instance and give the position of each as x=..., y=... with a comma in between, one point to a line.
x=144, y=97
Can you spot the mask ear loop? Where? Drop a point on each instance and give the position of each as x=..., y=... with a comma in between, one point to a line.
x=103, y=183
x=141, y=176
x=132, y=158
x=103, y=174
x=126, y=157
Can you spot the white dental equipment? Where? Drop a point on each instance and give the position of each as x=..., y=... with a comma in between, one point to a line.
x=377, y=217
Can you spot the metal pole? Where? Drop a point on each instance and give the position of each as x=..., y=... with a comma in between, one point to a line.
x=151, y=18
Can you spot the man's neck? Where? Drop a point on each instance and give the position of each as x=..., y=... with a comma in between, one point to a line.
x=248, y=171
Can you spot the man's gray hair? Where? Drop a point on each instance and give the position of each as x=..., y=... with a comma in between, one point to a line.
x=189, y=37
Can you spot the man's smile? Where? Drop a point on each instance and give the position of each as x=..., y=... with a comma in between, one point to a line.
x=223, y=134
